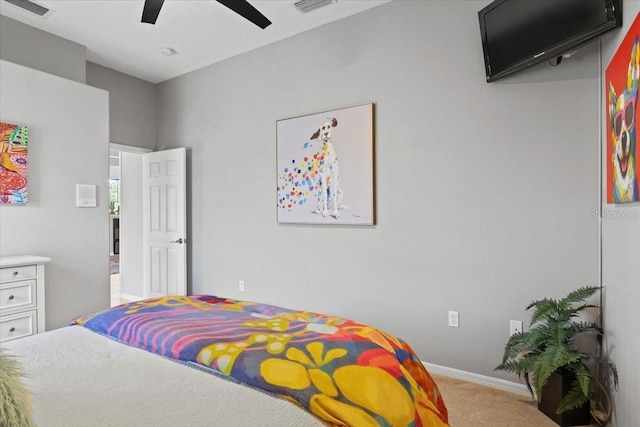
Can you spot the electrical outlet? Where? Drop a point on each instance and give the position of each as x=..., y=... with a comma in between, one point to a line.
x=515, y=327
x=241, y=285
x=453, y=319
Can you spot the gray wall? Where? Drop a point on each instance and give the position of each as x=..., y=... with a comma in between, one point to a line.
x=483, y=190
x=132, y=106
x=67, y=146
x=132, y=121
x=621, y=272
x=33, y=48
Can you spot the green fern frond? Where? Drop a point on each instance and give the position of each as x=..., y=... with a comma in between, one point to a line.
x=580, y=294
x=570, y=312
x=573, y=399
x=583, y=377
x=553, y=358
x=544, y=309
x=519, y=366
x=549, y=346
x=528, y=383
x=610, y=369
x=583, y=326
x=514, y=346
x=548, y=308
x=535, y=338
x=524, y=342
x=574, y=329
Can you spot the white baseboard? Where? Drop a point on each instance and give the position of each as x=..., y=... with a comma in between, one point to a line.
x=130, y=297
x=478, y=379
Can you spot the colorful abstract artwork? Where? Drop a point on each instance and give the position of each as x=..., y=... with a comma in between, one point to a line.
x=325, y=167
x=13, y=164
x=621, y=79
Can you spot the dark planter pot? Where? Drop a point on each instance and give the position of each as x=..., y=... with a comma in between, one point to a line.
x=552, y=393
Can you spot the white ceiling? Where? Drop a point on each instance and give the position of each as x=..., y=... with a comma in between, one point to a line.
x=201, y=31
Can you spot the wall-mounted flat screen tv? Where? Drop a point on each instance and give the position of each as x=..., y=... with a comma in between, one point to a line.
x=517, y=34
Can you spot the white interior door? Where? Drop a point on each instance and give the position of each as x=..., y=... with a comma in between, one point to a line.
x=131, y=278
x=164, y=223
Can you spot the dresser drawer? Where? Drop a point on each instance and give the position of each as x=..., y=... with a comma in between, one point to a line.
x=17, y=273
x=18, y=325
x=16, y=296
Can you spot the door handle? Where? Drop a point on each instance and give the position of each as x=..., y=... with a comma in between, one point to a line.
x=179, y=241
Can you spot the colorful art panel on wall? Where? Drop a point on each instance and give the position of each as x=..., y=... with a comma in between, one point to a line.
x=325, y=167
x=621, y=79
x=13, y=164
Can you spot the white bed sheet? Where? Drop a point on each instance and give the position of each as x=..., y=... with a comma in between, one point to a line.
x=80, y=378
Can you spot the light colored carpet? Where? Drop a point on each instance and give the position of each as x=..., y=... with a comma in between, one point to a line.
x=475, y=405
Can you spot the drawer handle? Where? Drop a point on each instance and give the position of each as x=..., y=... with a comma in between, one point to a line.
x=15, y=273
x=11, y=297
x=13, y=329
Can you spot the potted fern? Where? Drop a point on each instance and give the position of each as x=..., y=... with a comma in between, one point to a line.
x=548, y=358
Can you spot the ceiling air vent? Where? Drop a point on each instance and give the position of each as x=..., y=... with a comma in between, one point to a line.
x=31, y=7
x=305, y=6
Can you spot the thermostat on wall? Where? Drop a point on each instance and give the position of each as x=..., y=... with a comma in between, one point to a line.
x=85, y=196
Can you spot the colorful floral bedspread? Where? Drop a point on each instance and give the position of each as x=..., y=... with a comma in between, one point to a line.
x=344, y=372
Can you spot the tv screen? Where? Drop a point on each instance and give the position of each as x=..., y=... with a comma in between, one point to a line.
x=517, y=34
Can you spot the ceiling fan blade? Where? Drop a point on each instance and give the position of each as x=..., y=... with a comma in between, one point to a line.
x=151, y=11
x=243, y=8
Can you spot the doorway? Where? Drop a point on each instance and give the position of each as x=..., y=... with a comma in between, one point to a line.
x=125, y=223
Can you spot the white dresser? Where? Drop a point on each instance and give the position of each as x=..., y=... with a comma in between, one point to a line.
x=21, y=296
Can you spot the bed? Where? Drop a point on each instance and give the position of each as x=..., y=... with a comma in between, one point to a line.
x=209, y=361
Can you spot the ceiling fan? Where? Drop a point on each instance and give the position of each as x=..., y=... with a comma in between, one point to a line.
x=241, y=7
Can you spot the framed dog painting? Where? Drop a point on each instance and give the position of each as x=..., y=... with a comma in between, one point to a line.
x=325, y=167
x=621, y=79
x=13, y=164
